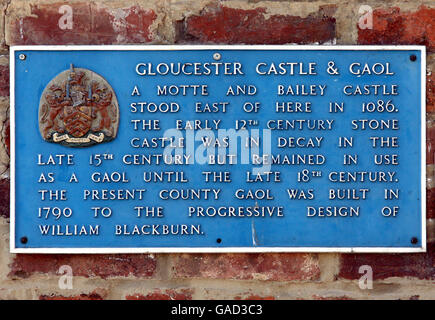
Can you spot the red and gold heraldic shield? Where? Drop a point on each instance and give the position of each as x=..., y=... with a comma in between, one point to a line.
x=78, y=108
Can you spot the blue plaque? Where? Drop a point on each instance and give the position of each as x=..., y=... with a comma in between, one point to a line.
x=217, y=149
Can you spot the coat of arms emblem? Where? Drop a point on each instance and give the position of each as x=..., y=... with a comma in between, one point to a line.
x=78, y=108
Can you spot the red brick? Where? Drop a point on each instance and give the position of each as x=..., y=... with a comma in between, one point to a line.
x=430, y=203
x=92, y=24
x=270, y=266
x=83, y=296
x=391, y=26
x=4, y=81
x=100, y=265
x=137, y=24
x=6, y=136
x=430, y=142
x=417, y=265
x=430, y=92
x=4, y=198
x=169, y=294
x=220, y=24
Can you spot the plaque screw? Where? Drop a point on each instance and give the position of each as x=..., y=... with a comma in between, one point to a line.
x=414, y=240
x=218, y=240
x=413, y=57
x=217, y=56
x=22, y=56
x=23, y=240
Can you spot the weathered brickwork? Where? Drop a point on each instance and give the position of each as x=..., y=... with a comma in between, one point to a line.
x=266, y=276
x=420, y=265
x=272, y=266
x=4, y=80
x=220, y=24
x=104, y=266
x=92, y=23
x=391, y=26
x=82, y=296
x=158, y=294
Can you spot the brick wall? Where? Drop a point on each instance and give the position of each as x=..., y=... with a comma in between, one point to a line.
x=214, y=276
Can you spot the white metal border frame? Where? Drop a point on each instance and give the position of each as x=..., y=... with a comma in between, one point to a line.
x=13, y=49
